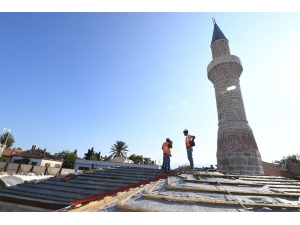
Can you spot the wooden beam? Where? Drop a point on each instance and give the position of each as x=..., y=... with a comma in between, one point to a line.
x=262, y=176
x=273, y=181
x=154, y=186
x=133, y=209
x=223, y=182
x=134, y=193
x=216, y=202
x=217, y=175
x=31, y=169
x=282, y=186
x=180, y=188
x=98, y=205
x=5, y=167
x=19, y=166
x=91, y=205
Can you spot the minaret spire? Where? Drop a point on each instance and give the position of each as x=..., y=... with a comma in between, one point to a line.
x=237, y=151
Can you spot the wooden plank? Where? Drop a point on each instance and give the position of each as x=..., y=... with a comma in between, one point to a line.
x=100, y=204
x=216, y=202
x=134, y=193
x=275, y=183
x=133, y=209
x=263, y=177
x=283, y=186
x=81, y=207
x=273, y=180
x=223, y=182
x=180, y=188
x=217, y=175
x=153, y=187
x=169, y=181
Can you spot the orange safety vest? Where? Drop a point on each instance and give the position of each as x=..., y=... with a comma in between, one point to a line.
x=188, y=138
x=166, y=148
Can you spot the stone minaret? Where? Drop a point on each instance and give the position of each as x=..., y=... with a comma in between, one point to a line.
x=237, y=151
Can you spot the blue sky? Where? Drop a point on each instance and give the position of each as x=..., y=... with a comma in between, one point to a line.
x=80, y=80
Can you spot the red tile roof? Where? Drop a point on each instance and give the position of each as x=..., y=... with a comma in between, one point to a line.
x=271, y=169
x=11, y=152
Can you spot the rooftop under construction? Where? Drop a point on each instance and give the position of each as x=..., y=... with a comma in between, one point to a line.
x=117, y=189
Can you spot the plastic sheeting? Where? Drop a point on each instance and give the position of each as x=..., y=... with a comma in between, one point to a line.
x=138, y=201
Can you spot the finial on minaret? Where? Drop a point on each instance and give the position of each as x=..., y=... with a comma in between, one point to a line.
x=214, y=21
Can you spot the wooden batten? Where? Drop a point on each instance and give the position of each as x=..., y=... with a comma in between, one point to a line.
x=154, y=186
x=133, y=209
x=132, y=194
x=181, y=188
x=217, y=175
x=223, y=182
x=224, y=203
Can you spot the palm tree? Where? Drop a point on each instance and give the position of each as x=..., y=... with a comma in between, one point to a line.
x=119, y=149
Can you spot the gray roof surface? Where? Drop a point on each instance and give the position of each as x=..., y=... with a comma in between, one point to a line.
x=84, y=185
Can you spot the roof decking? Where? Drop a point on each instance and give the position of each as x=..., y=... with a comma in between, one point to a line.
x=55, y=193
x=139, y=189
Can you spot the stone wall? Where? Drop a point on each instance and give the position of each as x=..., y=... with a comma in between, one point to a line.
x=293, y=167
x=13, y=167
x=240, y=163
x=220, y=47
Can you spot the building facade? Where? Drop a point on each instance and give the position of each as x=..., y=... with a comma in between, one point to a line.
x=237, y=151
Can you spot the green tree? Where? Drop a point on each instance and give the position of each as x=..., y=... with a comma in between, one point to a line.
x=68, y=158
x=293, y=158
x=10, y=140
x=137, y=159
x=147, y=160
x=119, y=149
x=2, y=159
x=91, y=155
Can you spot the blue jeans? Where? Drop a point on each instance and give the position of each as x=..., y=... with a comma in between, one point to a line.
x=190, y=156
x=166, y=162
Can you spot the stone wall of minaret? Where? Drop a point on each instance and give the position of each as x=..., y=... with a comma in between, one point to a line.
x=237, y=151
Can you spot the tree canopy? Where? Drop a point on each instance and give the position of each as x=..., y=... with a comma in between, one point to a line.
x=91, y=155
x=2, y=159
x=119, y=149
x=293, y=158
x=10, y=140
x=68, y=158
x=140, y=159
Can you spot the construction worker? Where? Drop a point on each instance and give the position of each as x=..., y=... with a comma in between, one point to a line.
x=166, y=147
x=189, y=143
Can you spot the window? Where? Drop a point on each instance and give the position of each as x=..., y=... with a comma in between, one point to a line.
x=34, y=163
x=17, y=161
x=57, y=165
x=83, y=168
x=47, y=164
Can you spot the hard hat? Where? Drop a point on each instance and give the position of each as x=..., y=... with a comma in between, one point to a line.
x=185, y=130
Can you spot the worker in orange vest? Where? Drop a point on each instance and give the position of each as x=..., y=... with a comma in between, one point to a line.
x=166, y=147
x=189, y=143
